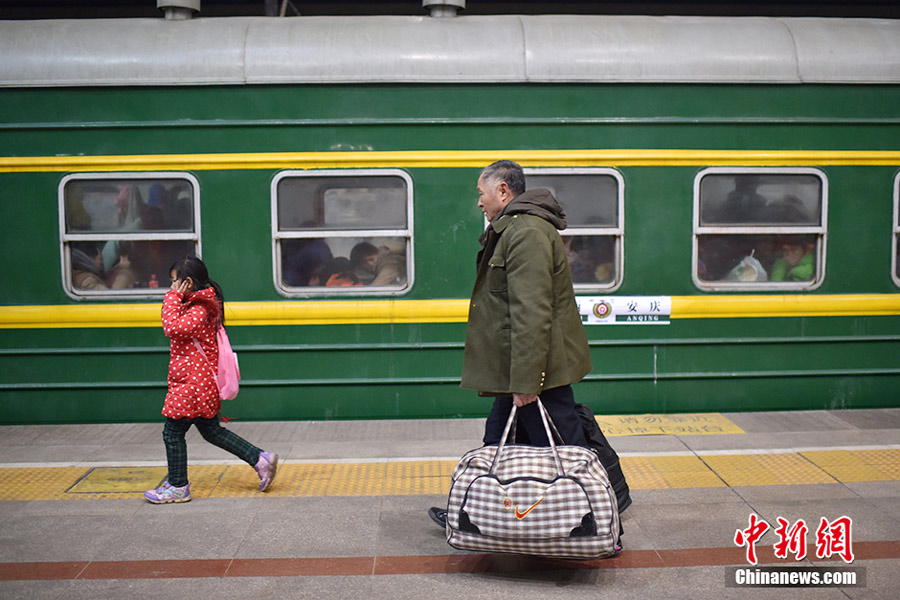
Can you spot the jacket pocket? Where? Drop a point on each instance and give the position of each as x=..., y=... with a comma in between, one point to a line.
x=496, y=275
x=180, y=369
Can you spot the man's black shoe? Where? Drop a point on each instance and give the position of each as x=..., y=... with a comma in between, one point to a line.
x=439, y=516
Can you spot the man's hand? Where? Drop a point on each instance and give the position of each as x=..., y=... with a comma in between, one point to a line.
x=521, y=400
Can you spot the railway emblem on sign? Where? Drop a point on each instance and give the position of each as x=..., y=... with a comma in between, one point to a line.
x=602, y=309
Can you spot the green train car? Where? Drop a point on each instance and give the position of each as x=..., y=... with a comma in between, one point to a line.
x=732, y=187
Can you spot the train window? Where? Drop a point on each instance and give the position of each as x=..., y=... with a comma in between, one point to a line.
x=121, y=232
x=342, y=232
x=593, y=200
x=896, y=243
x=759, y=228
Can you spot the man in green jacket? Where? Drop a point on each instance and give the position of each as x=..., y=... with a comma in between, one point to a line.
x=524, y=336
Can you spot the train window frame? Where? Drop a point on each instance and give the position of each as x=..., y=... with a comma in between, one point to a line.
x=820, y=231
x=406, y=233
x=617, y=232
x=895, y=243
x=66, y=238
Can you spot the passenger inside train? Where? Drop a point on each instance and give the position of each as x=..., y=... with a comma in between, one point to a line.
x=756, y=228
x=339, y=273
x=591, y=258
x=797, y=260
x=88, y=272
x=132, y=236
x=379, y=265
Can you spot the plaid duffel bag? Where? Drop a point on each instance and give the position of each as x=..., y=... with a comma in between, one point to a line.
x=551, y=501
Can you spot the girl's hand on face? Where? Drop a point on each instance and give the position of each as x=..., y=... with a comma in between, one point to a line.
x=183, y=286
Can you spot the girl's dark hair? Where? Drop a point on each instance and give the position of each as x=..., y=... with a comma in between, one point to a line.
x=193, y=267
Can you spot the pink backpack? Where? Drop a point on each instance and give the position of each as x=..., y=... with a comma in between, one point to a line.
x=228, y=375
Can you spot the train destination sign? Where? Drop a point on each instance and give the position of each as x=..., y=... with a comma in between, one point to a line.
x=624, y=310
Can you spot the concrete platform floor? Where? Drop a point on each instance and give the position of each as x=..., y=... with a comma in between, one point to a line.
x=362, y=531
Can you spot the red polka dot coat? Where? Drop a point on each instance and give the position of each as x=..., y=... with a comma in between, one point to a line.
x=192, y=381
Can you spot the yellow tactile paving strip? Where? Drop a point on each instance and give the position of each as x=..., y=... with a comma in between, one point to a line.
x=766, y=469
x=433, y=476
x=668, y=472
x=858, y=465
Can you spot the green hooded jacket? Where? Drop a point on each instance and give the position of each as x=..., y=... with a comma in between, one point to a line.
x=524, y=332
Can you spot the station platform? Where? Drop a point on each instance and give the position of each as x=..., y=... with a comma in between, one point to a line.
x=346, y=516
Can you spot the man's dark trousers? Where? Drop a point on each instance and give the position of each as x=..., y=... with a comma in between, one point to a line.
x=559, y=402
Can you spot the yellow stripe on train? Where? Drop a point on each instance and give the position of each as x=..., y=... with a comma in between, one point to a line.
x=447, y=159
x=348, y=312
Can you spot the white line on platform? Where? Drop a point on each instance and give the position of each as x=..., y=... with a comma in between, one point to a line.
x=398, y=459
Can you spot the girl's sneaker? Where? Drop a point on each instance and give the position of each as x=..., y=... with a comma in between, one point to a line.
x=266, y=467
x=167, y=493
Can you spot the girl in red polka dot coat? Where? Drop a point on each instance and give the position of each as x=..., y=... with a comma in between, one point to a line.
x=193, y=309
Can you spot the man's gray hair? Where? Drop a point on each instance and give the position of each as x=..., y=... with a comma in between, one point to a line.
x=508, y=171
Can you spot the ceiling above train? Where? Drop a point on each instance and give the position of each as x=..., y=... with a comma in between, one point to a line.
x=94, y=9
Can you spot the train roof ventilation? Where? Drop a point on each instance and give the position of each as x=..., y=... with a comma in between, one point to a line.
x=178, y=10
x=443, y=8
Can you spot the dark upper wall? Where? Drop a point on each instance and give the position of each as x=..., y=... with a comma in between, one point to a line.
x=94, y=9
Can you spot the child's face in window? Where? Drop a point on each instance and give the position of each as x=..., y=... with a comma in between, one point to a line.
x=98, y=259
x=369, y=263
x=793, y=253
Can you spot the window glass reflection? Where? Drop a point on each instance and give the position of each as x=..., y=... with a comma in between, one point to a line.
x=121, y=234
x=119, y=265
x=342, y=231
x=121, y=206
x=589, y=200
x=761, y=228
x=341, y=203
x=592, y=259
x=757, y=258
x=592, y=199
x=344, y=262
x=756, y=199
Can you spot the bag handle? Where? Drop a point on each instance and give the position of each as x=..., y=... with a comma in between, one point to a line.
x=512, y=433
x=548, y=424
x=545, y=417
x=211, y=367
x=215, y=372
x=552, y=426
x=200, y=348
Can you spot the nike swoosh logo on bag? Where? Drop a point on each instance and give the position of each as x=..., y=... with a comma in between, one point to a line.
x=522, y=515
